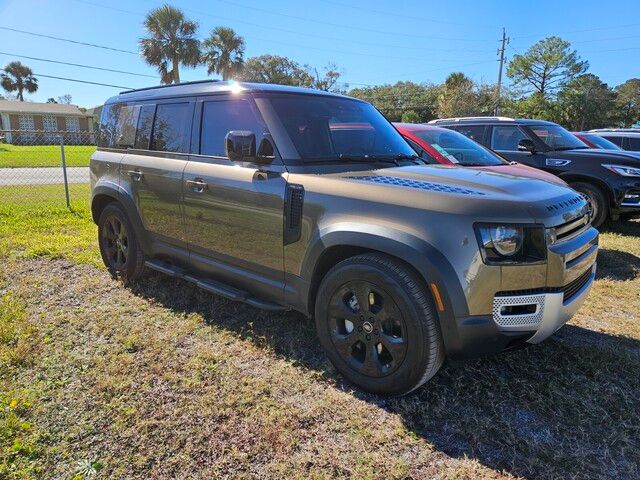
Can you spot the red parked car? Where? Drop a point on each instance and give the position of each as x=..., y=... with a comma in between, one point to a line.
x=441, y=145
x=596, y=141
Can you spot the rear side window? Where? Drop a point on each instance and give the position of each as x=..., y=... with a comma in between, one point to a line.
x=506, y=138
x=219, y=118
x=171, y=128
x=118, y=126
x=145, y=122
x=474, y=132
x=633, y=144
x=616, y=140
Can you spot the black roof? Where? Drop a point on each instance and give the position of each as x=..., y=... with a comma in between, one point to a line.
x=206, y=87
x=489, y=120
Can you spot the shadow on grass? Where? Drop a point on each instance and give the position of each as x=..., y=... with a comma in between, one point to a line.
x=622, y=227
x=617, y=265
x=569, y=407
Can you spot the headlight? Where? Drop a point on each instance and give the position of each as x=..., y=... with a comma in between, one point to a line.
x=511, y=243
x=624, y=170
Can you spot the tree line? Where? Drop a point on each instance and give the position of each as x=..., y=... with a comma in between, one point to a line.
x=549, y=81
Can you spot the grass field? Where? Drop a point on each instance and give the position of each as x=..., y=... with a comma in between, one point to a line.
x=14, y=156
x=161, y=380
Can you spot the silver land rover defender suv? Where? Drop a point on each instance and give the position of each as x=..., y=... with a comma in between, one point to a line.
x=290, y=198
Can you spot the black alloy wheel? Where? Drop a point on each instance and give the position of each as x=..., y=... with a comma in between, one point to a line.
x=367, y=328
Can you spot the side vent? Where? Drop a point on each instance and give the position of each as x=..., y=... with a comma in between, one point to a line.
x=293, y=213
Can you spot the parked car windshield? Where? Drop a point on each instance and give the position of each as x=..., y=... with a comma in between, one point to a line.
x=335, y=129
x=458, y=148
x=602, y=142
x=557, y=137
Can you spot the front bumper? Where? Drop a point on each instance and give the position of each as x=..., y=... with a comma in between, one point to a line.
x=542, y=313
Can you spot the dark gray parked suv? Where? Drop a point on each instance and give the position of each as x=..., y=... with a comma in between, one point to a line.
x=288, y=198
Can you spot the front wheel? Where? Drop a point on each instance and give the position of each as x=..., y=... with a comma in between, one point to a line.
x=119, y=246
x=377, y=324
x=596, y=199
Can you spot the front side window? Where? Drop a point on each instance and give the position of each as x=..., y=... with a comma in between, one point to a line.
x=330, y=128
x=171, y=128
x=459, y=149
x=219, y=118
x=506, y=138
x=556, y=137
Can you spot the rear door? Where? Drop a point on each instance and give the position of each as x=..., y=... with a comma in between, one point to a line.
x=234, y=210
x=151, y=171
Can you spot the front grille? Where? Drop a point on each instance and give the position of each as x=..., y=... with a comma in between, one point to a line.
x=574, y=287
x=571, y=229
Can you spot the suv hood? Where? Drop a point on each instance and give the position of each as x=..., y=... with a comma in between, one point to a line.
x=606, y=156
x=484, y=194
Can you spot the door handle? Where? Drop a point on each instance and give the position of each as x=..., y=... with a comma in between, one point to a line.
x=197, y=185
x=136, y=175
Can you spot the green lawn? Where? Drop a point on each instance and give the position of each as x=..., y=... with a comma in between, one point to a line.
x=12, y=156
x=162, y=380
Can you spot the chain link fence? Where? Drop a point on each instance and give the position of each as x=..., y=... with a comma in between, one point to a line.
x=48, y=168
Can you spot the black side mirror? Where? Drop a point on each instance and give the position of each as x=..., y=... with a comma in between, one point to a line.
x=240, y=146
x=526, y=145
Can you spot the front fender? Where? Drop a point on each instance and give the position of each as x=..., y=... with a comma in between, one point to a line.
x=430, y=263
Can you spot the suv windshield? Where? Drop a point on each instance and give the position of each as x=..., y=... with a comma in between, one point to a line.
x=330, y=128
x=458, y=148
x=557, y=137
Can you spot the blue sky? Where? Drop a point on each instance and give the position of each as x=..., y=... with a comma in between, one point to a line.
x=373, y=42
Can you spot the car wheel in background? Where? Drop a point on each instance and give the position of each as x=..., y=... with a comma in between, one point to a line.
x=119, y=247
x=596, y=199
x=377, y=324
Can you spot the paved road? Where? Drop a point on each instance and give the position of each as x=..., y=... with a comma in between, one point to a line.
x=42, y=176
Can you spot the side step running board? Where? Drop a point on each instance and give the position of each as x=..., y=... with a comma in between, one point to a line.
x=212, y=286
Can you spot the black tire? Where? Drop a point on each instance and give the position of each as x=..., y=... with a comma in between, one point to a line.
x=597, y=201
x=394, y=344
x=119, y=246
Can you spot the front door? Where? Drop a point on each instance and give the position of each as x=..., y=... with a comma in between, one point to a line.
x=504, y=140
x=234, y=211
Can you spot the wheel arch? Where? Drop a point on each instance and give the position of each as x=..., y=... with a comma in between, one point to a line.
x=103, y=195
x=426, y=261
x=602, y=185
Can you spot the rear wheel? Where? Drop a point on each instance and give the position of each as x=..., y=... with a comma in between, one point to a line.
x=377, y=323
x=596, y=199
x=119, y=246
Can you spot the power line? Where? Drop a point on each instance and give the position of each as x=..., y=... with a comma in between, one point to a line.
x=350, y=27
x=81, y=81
x=78, y=65
x=68, y=40
x=584, y=30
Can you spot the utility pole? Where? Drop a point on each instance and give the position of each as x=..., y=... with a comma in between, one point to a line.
x=504, y=42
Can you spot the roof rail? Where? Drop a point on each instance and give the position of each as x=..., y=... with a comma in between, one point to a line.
x=459, y=119
x=195, y=82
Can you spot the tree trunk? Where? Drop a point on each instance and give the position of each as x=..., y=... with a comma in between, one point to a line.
x=20, y=96
x=176, y=72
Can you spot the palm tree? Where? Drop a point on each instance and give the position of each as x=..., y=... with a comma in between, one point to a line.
x=171, y=42
x=18, y=77
x=224, y=52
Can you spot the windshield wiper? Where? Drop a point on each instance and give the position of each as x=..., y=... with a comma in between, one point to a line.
x=366, y=158
x=560, y=149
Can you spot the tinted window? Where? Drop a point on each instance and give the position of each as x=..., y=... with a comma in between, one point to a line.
x=615, y=140
x=506, y=138
x=126, y=130
x=421, y=151
x=219, y=118
x=474, y=132
x=601, y=142
x=171, y=127
x=459, y=149
x=107, y=131
x=326, y=128
x=145, y=122
x=633, y=143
